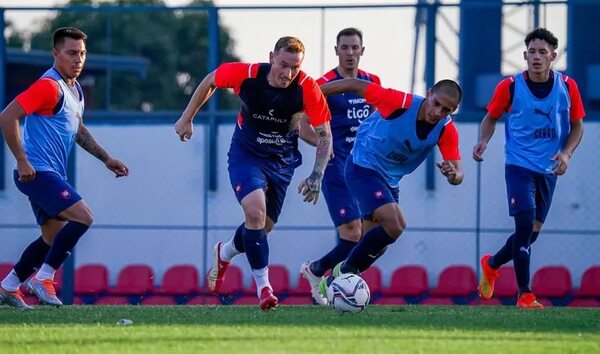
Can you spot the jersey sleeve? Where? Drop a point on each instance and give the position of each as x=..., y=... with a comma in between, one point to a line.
x=448, y=142
x=41, y=97
x=577, y=110
x=328, y=76
x=387, y=100
x=232, y=75
x=374, y=78
x=501, y=99
x=315, y=104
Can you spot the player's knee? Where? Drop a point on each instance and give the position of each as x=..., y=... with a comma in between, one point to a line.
x=395, y=228
x=256, y=218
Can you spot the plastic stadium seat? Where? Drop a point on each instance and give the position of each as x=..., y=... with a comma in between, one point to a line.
x=5, y=268
x=481, y=302
x=205, y=300
x=247, y=300
x=135, y=279
x=112, y=300
x=584, y=303
x=233, y=284
x=552, y=281
x=297, y=300
x=302, y=288
x=373, y=278
x=438, y=301
x=590, y=283
x=91, y=279
x=407, y=281
x=31, y=300
x=158, y=300
x=506, y=284
x=279, y=277
x=455, y=281
x=390, y=300
x=179, y=280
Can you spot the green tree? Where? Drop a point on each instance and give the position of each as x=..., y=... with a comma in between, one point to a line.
x=175, y=42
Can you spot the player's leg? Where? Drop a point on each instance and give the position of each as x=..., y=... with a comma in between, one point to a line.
x=378, y=202
x=544, y=191
x=79, y=218
x=345, y=214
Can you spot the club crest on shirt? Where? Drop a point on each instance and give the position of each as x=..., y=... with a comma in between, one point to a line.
x=65, y=194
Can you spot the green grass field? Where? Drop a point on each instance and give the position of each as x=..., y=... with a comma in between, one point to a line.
x=299, y=329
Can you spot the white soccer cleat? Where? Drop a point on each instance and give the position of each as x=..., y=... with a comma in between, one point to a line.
x=314, y=281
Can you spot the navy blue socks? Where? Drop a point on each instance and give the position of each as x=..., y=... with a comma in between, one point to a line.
x=335, y=256
x=64, y=242
x=33, y=256
x=256, y=247
x=371, y=246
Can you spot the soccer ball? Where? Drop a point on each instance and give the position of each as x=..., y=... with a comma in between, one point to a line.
x=348, y=293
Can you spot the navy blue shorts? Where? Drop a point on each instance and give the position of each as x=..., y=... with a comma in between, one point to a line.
x=527, y=189
x=369, y=188
x=48, y=194
x=247, y=175
x=342, y=205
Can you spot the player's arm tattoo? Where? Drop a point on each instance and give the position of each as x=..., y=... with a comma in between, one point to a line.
x=85, y=139
x=323, y=153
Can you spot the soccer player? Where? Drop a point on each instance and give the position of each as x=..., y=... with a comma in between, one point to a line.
x=390, y=144
x=543, y=127
x=53, y=110
x=348, y=110
x=264, y=150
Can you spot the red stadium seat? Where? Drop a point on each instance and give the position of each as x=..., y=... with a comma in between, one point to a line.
x=179, y=280
x=584, y=303
x=5, y=268
x=407, y=281
x=590, y=283
x=506, y=284
x=279, y=277
x=112, y=300
x=297, y=300
x=373, y=278
x=552, y=281
x=438, y=301
x=31, y=300
x=481, y=302
x=205, y=300
x=455, y=281
x=302, y=288
x=233, y=284
x=247, y=300
x=91, y=279
x=135, y=279
x=158, y=300
x=390, y=300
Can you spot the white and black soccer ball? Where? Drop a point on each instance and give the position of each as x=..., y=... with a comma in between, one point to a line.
x=348, y=293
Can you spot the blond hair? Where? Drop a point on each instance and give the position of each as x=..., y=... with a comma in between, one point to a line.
x=289, y=44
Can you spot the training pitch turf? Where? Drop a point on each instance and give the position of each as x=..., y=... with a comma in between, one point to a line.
x=299, y=329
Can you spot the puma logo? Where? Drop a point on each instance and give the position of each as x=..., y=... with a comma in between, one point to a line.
x=523, y=249
x=542, y=113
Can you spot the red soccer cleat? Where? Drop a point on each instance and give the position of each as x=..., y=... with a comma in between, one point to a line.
x=488, y=278
x=267, y=299
x=528, y=301
x=216, y=276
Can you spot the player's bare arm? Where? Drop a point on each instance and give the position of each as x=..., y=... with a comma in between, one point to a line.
x=307, y=132
x=184, y=127
x=562, y=157
x=86, y=140
x=311, y=186
x=486, y=131
x=357, y=86
x=9, y=122
x=452, y=170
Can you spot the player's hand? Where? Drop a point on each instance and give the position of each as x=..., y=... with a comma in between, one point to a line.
x=26, y=171
x=561, y=165
x=311, y=187
x=184, y=128
x=478, y=151
x=449, y=170
x=117, y=167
